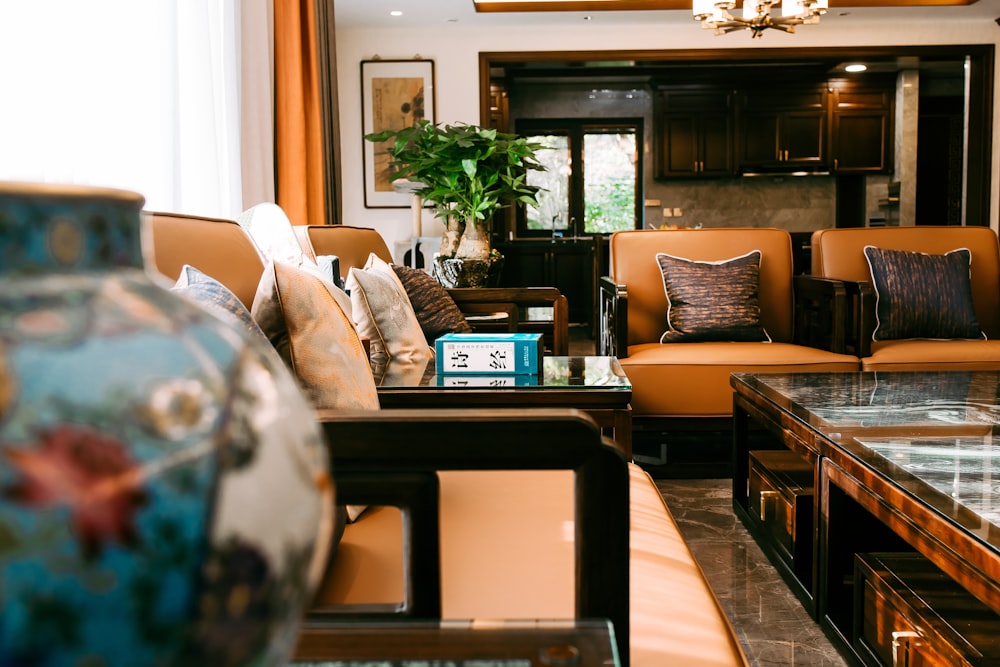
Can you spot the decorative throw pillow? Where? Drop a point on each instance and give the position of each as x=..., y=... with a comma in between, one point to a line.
x=315, y=337
x=919, y=295
x=382, y=313
x=712, y=301
x=436, y=311
x=218, y=299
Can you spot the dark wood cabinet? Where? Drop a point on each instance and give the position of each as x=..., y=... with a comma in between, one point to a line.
x=714, y=131
x=693, y=133
x=569, y=266
x=860, y=128
x=782, y=127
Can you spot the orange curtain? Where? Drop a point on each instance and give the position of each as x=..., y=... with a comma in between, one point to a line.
x=298, y=128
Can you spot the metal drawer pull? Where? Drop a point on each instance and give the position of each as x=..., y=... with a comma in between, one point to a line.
x=765, y=496
x=906, y=640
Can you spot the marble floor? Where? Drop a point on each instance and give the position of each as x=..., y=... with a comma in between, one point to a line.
x=775, y=629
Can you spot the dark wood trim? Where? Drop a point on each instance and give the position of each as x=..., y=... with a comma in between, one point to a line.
x=488, y=6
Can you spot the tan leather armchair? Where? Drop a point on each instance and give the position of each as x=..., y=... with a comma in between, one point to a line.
x=838, y=257
x=684, y=387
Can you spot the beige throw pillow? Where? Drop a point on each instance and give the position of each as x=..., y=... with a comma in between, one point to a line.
x=302, y=318
x=383, y=314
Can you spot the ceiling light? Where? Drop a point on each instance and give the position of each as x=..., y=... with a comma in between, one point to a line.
x=714, y=15
x=395, y=12
x=856, y=67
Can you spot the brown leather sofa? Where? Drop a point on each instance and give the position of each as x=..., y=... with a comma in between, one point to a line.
x=838, y=257
x=680, y=391
x=511, y=515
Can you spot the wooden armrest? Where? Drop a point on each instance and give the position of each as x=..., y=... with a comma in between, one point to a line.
x=834, y=314
x=518, y=299
x=821, y=313
x=373, y=448
x=612, y=339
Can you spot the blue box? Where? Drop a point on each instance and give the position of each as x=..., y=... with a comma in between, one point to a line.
x=487, y=354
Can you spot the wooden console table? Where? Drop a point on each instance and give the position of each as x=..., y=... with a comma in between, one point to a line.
x=904, y=462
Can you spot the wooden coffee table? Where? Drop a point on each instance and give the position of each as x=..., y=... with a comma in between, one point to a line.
x=903, y=462
x=596, y=385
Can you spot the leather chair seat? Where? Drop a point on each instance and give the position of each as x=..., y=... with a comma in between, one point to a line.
x=692, y=379
x=933, y=355
x=490, y=571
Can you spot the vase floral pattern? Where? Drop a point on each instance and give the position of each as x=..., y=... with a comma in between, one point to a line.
x=164, y=487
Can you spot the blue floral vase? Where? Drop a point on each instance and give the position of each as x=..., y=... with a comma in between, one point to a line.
x=164, y=490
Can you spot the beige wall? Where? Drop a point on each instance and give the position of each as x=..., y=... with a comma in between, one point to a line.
x=455, y=50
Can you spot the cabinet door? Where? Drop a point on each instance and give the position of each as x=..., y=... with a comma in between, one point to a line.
x=860, y=129
x=859, y=142
x=802, y=137
x=693, y=133
x=782, y=127
x=678, y=146
x=760, y=141
x=572, y=271
x=716, y=149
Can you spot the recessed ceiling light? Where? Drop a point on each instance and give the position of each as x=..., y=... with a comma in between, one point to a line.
x=856, y=67
x=395, y=12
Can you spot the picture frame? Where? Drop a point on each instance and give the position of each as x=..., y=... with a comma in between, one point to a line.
x=394, y=94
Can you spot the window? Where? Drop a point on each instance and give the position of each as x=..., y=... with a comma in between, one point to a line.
x=143, y=96
x=599, y=197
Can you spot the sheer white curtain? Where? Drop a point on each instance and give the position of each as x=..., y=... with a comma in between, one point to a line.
x=143, y=95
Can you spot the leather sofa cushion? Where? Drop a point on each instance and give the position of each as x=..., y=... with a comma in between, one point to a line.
x=838, y=253
x=692, y=379
x=519, y=564
x=218, y=248
x=915, y=354
x=506, y=548
x=674, y=615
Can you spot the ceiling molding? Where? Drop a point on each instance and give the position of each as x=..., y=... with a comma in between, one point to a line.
x=487, y=6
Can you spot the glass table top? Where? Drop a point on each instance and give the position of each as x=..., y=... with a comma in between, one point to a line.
x=935, y=434
x=569, y=373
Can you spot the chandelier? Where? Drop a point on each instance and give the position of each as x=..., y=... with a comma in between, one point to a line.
x=714, y=15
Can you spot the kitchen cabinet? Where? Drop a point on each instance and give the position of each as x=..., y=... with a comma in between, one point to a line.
x=860, y=128
x=782, y=127
x=693, y=131
x=569, y=266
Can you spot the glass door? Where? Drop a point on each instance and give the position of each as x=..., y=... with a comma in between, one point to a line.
x=591, y=184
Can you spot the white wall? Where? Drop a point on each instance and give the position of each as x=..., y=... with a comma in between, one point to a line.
x=455, y=50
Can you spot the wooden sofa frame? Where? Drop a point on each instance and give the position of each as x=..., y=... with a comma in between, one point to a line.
x=401, y=472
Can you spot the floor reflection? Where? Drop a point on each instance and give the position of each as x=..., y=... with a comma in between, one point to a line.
x=775, y=629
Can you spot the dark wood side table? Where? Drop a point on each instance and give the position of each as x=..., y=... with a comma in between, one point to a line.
x=596, y=385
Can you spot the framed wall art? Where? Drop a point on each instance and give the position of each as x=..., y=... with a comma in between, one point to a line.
x=394, y=94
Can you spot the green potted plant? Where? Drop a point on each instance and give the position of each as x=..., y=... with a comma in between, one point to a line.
x=468, y=173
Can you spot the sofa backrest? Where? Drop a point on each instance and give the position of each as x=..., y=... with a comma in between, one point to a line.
x=839, y=253
x=632, y=262
x=351, y=244
x=217, y=247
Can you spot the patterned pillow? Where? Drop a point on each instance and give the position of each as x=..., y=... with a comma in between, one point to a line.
x=303, y=320
x=382, y=313
x=436, y=311
x=218, y=299
x=712, y=301
x=919, y=295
